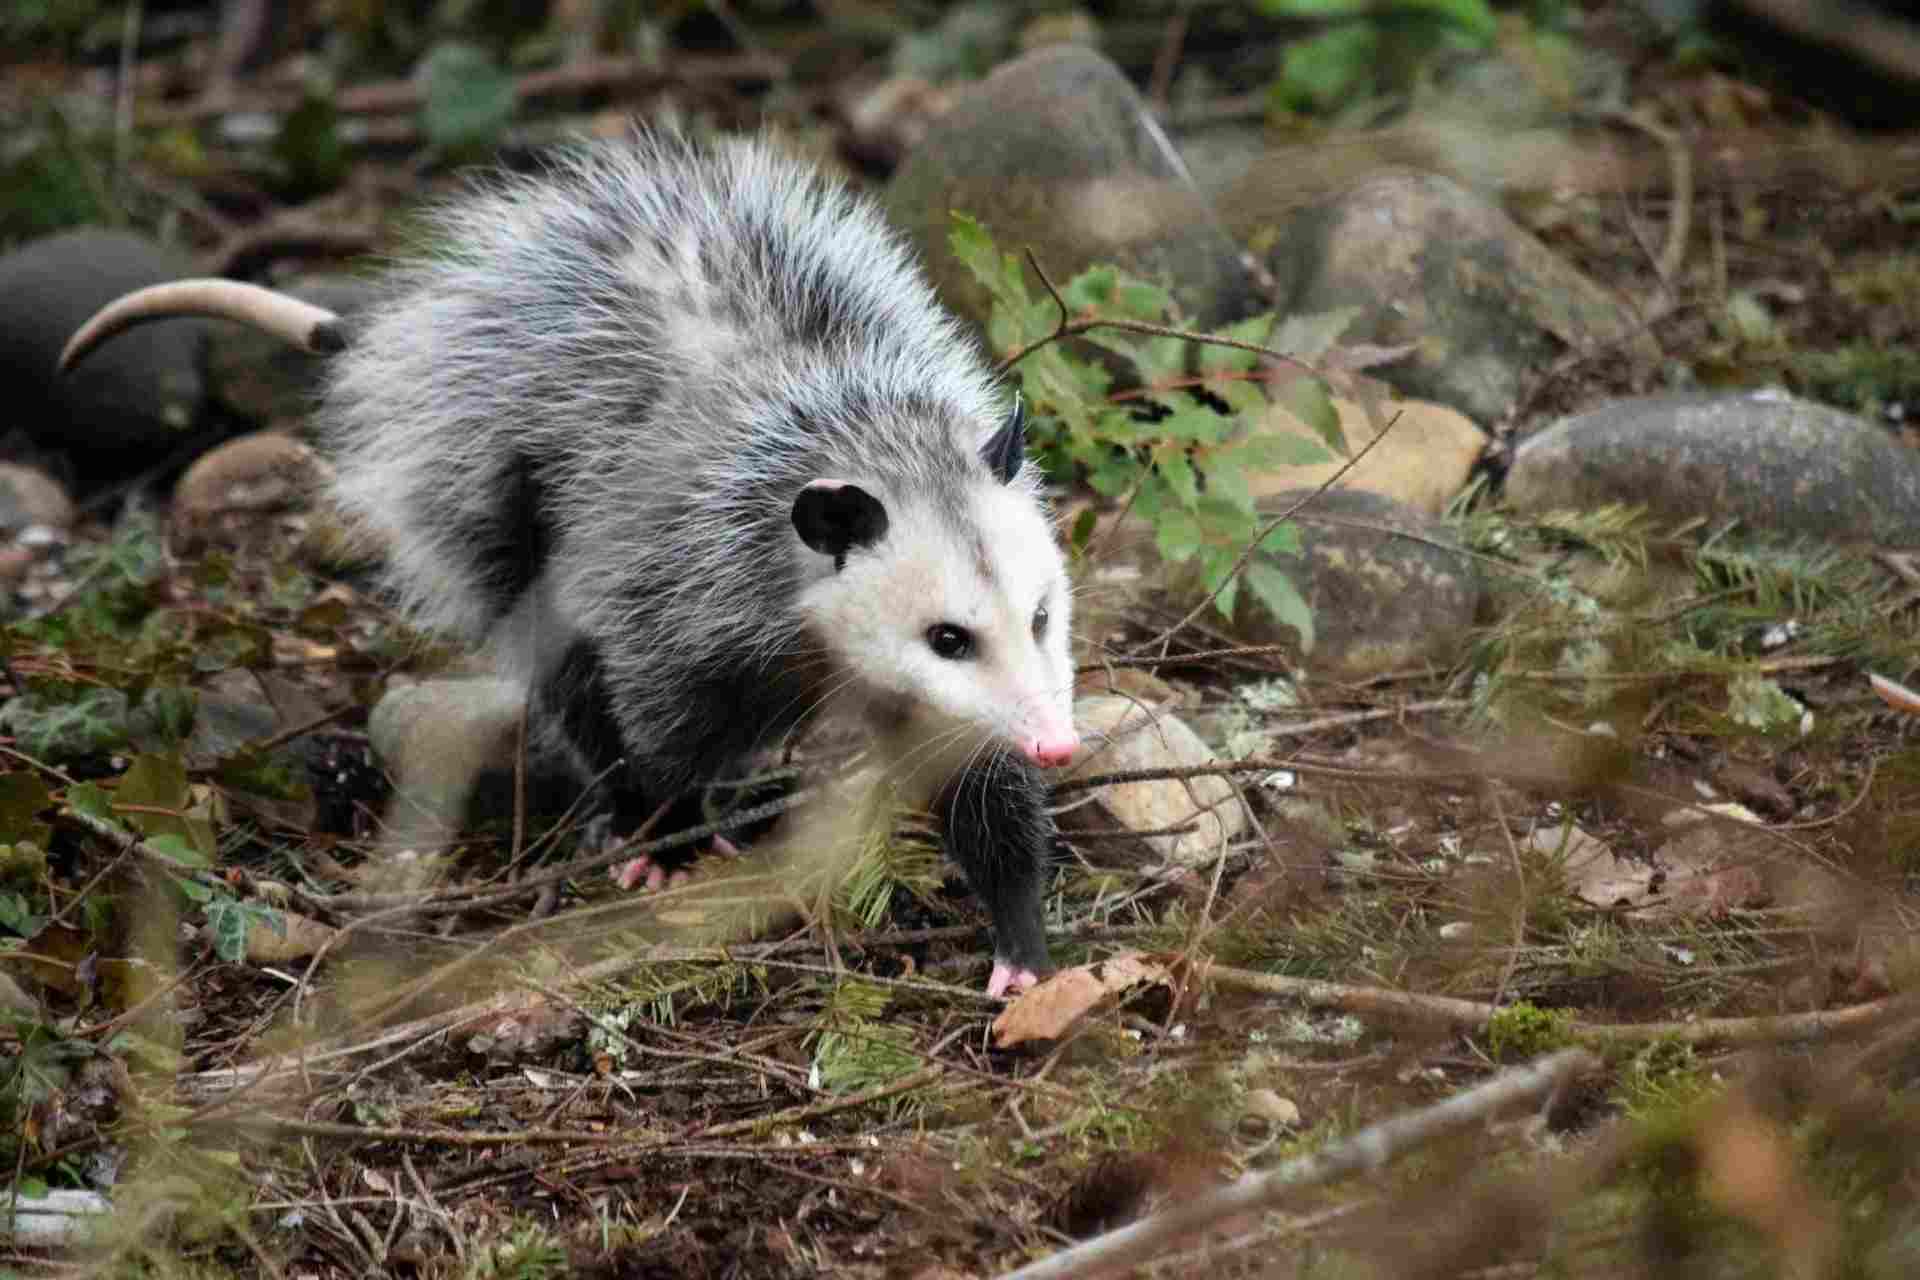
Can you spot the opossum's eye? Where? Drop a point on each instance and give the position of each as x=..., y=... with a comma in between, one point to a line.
x=1040, y=622
x=949, y=641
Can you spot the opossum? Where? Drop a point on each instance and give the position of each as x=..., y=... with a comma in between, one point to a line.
x=682, y=432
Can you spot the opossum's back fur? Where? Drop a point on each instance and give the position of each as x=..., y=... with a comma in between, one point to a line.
x=605, y=385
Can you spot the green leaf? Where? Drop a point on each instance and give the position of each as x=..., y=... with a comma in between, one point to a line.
x=1309, y=337
x=1113, y=477
x=1272, y=450
x=1005, y=281
x=1200, y=424
x=1083, y=526
x=91, y=799
x=469, y=99
x=1307, y=400
x=1321, y=72
x=1216, y=562
x=1282, y=539
x=18, y=915
x=180, y=849
x=1316, y=8
x=1136, y=299
x=22, y=797
x=1227, y=483
x=1092, y=289
x=1163, y=359
x=1276, y=593
x=1177, y=473
x=1254, y=329
x=1177, y=534
x=160, y=782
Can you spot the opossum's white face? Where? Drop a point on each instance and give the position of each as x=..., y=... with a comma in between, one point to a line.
x=961, y=617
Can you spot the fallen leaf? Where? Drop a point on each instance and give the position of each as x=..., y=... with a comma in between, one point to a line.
x=1048, y=1011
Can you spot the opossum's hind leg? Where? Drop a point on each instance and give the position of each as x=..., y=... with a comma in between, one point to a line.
x=573, y=699
x=998, y=831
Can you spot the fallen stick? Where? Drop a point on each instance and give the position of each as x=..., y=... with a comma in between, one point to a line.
x=1367, y=1150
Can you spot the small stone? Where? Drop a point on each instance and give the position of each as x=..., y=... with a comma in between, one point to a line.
x=1423, y=463
x=252, y=475
x=1273, y=1108
x=1120, y=734
x=32, y=500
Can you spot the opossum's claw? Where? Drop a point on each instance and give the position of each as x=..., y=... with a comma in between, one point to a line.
x=1008, y=980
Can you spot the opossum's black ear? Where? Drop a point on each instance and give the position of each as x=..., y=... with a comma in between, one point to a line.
x=1008, y=447
x=833, y=517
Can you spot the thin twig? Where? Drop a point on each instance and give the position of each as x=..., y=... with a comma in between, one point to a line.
x=1372, y=1148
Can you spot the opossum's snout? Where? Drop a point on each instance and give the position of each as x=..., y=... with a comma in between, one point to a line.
x=1052, y=745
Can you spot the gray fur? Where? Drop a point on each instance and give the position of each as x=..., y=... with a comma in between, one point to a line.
x=580, y=422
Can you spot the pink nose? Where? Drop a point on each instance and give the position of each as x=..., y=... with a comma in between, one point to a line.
x=1049, y=752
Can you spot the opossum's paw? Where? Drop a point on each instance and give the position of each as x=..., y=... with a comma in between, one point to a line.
x=1009, y=980
x=644, y=870
x=646, y=873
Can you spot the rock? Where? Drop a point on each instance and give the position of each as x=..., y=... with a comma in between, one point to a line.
x=1118, y=734
x=253, y=475
x=1380, y=601
x=1782, y=466
x=1424, y=462
x=262, y=378
x=1432, y=264
x=1056, y=152
x=438, y=737
x=130, y=403
x=1269, y=1106
x=29, y=497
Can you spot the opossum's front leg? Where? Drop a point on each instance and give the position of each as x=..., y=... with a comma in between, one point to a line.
x=998, y=831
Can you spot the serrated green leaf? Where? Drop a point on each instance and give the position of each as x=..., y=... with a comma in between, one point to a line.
x=1200, y=424
x=469, y=98
x=1272, y=450
x=1083, y=526
x=1276, y=593
x=1114, y=476
x=1216, y=562
x=1254, y=329
x=22, y=797
x=1176, y=471
x=1307, y=399
x=1245, y=398
x=1003, y=278
x=1283, y=539
x=1176, y=533
x=91, y=799
x=1164, y=359
x=1316, y=8
x=1226, y=523
x=1092, y=289
x=194, y=891
x=1227, y=482
x=1322, y=71
x=1309, y=337
x=1137, y=299
x=32, y=1188
x=178, y=848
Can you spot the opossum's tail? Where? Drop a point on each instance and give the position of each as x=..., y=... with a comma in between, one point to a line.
x=299, y=324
